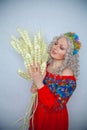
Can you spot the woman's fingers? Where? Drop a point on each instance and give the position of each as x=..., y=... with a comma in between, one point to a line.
x=44, y=73
x=35, y=67
x=38, y=67
x=30, y=70
x=33, y=88
x=34, y=71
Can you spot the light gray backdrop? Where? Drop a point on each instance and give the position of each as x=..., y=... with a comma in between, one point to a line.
x=52, y=17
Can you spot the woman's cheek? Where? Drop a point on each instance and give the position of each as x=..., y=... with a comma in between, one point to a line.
x=62, y=54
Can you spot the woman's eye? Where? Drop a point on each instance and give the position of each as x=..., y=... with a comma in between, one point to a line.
x=62, y=48
x=55, y=43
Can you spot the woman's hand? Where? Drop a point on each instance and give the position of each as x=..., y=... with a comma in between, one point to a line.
x=33, y=89
x=35, y=73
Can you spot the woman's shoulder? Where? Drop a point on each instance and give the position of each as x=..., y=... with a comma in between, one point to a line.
x=67, y=72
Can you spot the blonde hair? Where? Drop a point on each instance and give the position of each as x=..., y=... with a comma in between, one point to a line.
x=71, y=61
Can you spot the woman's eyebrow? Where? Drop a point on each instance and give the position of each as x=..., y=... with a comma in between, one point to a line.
x=63, y=46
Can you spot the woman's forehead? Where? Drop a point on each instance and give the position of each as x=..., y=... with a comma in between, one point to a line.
x=63, y=41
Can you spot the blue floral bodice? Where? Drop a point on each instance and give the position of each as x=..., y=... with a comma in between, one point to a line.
x=61, y=86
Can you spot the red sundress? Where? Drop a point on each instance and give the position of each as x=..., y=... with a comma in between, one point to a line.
x=51, y=112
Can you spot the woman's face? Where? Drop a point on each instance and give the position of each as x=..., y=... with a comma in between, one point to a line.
x=59, y=48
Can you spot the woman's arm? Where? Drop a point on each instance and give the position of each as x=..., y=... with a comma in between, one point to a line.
x=45, y=94
x=47, y=97
x=65, y=89
x=63, y=92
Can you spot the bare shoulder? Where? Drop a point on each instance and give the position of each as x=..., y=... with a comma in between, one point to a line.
x=67, y=72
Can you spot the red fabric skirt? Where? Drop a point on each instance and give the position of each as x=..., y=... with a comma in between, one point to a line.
x=45, y=119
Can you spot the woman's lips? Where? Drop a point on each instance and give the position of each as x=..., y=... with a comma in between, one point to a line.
x=54, y=52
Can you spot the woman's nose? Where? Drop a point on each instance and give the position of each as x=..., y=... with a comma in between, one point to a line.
x=55, y=47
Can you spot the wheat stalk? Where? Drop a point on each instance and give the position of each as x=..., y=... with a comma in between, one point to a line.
x=35, y=51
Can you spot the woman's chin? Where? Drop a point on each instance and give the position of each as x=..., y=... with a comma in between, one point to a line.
x=56, y=57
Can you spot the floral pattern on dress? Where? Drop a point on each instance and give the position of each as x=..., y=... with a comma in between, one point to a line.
x=62, y=88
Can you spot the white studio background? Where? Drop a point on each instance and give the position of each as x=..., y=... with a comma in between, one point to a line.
x=52, y=17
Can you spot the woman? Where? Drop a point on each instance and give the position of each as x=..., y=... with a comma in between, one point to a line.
x=57, y=84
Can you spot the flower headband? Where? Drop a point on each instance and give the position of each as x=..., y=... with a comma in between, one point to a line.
x=74, y=37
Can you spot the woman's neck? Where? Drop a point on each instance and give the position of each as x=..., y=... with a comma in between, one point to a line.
x=57, y=63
